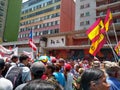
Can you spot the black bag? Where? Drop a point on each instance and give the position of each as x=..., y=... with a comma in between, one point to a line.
x=15, y=76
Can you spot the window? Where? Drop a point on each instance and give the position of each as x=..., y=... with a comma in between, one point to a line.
x=45, y=32
x=118, y=20
x=40, y=33
x=45, y=24
x=51, y=23
x=87, y=22
x=87, y=5
x=57, y=1
x=82, y=6
x=56, y=30
x=81, y=23
x=82, y=15
x=57, y=22
x=101, y=13
x=2, y=3
x=50, y=2
x=58, y=7
x=87, y=13
x=37, y=33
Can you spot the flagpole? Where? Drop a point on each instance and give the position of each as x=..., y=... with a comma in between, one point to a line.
x=109, y=43
x=115, y=32
x=32, y=47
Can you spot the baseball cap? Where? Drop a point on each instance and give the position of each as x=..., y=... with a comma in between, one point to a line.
x=68, y=66
x=37, y=67
x=2, y=63
x=53, y=60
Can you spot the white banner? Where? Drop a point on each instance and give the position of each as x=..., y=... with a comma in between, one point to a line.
x=6, y=53
x=4, y=50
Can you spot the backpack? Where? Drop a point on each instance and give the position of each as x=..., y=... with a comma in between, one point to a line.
x=15, y=76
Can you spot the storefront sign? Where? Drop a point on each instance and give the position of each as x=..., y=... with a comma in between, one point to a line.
x=56, y=41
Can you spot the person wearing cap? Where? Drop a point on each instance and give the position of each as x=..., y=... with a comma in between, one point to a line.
x=37, y=70
x=68, y=77
x=5, y=84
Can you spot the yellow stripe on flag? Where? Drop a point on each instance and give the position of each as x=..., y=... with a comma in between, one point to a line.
x=97, y=45
x=94, y=33
x=108, y=20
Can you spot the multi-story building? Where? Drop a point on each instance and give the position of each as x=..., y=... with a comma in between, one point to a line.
x=3, y=10
x=85, y=14
x=9, y=19
x=46, y=17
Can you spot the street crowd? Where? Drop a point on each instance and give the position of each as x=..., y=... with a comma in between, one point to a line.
x=19, y=73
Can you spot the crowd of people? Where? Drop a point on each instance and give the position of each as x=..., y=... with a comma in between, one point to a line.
x=58, y=74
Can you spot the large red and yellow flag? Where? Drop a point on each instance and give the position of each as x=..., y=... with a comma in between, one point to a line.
x=95, y=30
x=117, y=48
x=97, y=45
x=108, y=19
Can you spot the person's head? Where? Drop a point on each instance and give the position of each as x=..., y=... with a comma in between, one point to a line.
x=96, y=64
x=41, y=85
x=57, y=67
x=37, y=70
x=94, y=79
x=14, y=59
x=50, y=68
x=2, y=65
x=24, y=59
x=67, y=67
x=61, y=61
x=76, y=67
x=112, y=69
x=81, y=70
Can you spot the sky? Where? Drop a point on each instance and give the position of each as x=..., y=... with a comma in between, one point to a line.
x=24, y=0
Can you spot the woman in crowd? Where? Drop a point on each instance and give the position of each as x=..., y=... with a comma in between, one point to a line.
x=41, y=85
x=94, y=79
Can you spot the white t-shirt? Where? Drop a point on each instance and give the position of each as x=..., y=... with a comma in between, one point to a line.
x=5, y=84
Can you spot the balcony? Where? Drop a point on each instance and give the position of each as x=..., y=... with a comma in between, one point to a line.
x=114, y=14
x=105, y=5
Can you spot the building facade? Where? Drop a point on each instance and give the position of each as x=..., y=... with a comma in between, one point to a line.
x=85, y=14
x=101, y=10
x=3, y=11
x=46, y=17
x=90, y=11
x=67, y=43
